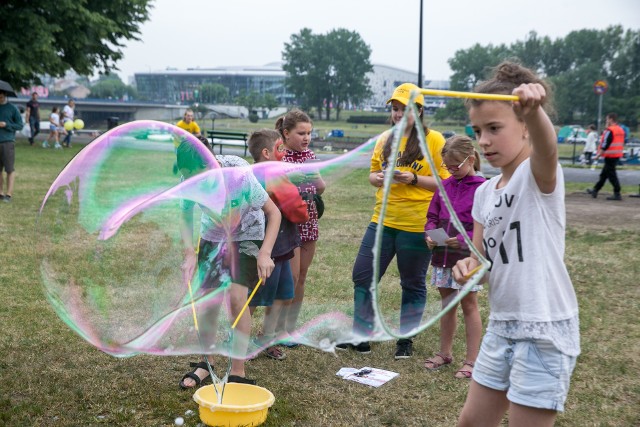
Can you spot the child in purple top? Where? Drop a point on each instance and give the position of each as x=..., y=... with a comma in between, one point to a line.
x=462, y=160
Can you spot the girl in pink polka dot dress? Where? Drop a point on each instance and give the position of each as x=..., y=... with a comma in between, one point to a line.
x=295, y=128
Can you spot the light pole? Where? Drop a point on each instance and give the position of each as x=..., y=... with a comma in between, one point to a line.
x=420, y=50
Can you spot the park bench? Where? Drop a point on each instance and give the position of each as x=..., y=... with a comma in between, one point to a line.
x=234, y=139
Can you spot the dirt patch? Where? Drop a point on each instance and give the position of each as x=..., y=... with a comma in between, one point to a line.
x=585, y=212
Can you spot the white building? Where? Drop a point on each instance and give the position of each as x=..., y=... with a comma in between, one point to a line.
x=384, y=79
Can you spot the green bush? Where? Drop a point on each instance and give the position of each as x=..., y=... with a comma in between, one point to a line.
x=369, y=120
x=253, y=118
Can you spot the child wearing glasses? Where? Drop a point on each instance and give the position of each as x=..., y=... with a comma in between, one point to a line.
x=463, y=162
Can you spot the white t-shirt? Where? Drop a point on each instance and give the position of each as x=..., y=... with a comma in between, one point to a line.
x=530, y=291
x=68, y=113
x=591, y=144
x=234, y=205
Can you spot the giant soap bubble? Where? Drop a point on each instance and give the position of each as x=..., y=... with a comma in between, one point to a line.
x=111, y=247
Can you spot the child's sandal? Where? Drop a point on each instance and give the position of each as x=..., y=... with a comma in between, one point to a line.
x=435, y=365
x=464, y=373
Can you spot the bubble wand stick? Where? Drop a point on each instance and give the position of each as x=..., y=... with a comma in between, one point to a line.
x=472, y=95
x=246, y=304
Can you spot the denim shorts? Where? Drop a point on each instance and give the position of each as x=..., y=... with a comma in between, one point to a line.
x=533, y=372
x=279, y=286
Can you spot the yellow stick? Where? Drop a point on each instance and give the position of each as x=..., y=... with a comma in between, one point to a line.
x=193, y=307
x=246, y=304
x=472, y=272
x=474, y=95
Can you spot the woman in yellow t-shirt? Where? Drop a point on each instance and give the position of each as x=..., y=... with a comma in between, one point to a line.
x=403, y=235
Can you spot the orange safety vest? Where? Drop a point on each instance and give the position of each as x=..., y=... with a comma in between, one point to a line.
x=616, y=148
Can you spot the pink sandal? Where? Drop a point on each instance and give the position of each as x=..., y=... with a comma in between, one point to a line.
x=465, y=373
x=446, y=360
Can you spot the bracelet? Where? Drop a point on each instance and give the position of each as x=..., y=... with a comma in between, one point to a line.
x=415, y=179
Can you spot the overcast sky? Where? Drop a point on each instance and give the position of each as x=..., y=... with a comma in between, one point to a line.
x=212, y=33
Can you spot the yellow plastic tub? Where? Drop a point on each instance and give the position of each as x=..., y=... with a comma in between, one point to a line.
x=242, y=405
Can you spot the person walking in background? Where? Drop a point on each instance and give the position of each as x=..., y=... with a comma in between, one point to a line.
x=463, y=162
x=32, y=116
x=266, y=147
x=403, y=226
x=68, y=114
x=295, y=128
x=532, y=340
x=54, y=129
x=590, y=145
x=188, y=123
x=10, y=123
x=611, y=150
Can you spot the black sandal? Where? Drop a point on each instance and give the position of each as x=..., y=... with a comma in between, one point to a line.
x=198, y=381
x=241, y=380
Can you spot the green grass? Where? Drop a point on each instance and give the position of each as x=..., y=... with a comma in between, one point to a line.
x=51, y=377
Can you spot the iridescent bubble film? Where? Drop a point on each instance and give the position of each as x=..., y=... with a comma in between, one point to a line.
x=111, y=244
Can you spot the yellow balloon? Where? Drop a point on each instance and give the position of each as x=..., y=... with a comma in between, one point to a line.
x=78, y=124
x=68, y=125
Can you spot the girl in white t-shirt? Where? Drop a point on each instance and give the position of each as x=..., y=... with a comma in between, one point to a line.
x=54, y=126
x=529, y=351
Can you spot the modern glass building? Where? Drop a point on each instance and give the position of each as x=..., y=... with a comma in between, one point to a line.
x=173, y=86
x=183, y=86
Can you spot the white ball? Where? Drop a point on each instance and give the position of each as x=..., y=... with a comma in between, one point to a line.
x=345, y=150
x=179, y=421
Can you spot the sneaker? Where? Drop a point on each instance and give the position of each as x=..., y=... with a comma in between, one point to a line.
x=58, y=147
x=7, y=198
x=616, y=196
x=363, y=347
x=45, y=144
x=593, y=192
x=404, y=349
x=1, y=196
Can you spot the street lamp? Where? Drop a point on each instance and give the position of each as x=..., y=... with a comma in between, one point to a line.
x=420, y=50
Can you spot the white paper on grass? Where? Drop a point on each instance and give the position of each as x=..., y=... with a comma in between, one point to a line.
x=438, y=235
x=375, y=378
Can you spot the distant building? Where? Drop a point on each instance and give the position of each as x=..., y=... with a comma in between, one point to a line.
x=384, y=79
x=182, y=86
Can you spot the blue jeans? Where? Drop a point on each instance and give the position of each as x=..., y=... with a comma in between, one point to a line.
x=413, y=258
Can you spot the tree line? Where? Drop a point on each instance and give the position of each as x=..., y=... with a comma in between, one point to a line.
x=572, y=64
x=325, y=72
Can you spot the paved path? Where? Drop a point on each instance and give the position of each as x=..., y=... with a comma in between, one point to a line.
x=575, y=174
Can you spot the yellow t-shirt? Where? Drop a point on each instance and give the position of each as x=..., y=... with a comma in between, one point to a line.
x=407, y=205
x=192, y=127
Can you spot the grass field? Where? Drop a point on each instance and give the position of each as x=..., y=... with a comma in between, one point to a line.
x=51, y=377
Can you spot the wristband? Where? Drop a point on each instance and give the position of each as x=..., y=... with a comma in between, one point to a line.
x=415, y=179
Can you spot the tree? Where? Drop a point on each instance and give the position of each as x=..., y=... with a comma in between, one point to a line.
x=214, y=93
x=573, y=64
x=53, y=36
x=326, y=70
x=269, y=102
x=110, y=86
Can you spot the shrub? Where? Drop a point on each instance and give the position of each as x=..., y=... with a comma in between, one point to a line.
x=369, y=119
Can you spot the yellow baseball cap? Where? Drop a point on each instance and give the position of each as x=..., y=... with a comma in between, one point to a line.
x=403, y=93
